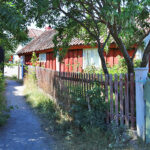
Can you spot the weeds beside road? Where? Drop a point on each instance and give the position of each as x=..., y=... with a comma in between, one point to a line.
x=62, y=126
x=3, y=108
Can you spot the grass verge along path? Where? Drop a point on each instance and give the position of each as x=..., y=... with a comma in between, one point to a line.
x=58, y=123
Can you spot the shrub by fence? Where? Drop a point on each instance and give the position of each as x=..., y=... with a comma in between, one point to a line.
x=119, y=91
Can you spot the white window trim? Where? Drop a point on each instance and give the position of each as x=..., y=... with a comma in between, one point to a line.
x=86, y=57
x=42, y=57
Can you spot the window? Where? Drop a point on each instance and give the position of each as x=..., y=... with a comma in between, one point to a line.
x=42, y=57
x=91, y=57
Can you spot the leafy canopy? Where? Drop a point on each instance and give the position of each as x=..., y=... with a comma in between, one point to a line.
x=129, y=16
x=12, y=25
x=126, y=21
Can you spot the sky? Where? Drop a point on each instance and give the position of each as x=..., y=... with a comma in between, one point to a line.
x=34, y=27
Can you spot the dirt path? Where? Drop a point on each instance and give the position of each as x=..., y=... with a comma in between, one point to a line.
x=23, y=130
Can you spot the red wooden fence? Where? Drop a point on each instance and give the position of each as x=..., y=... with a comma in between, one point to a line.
x=119, y=91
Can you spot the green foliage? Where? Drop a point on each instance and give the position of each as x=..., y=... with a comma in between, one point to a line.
x=119, y=68
x=83, y=127
x=92, y=69
x=8, y=54
x=34, y=59
x=54, y=117
x=12, y=26
x=2, y=82
x=3, y=110
x=137, y=63
x=89, y=110
x=91, y=21
x=11, y=64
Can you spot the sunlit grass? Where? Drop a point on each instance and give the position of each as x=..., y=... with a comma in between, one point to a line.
x=59, y=124
x=46, y=107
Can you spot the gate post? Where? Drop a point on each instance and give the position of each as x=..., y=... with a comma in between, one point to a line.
x=140, y=79
x=22, y=67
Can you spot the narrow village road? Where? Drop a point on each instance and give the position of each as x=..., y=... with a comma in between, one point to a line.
x=23, y=130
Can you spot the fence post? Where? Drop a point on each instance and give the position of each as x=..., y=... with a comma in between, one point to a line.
x=22, y=66
x=18, y=71
x=140, y=79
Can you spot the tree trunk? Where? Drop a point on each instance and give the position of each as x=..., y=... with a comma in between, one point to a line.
x=101, y=54
x=123, y=49
x=2, y=60
x=145, y=57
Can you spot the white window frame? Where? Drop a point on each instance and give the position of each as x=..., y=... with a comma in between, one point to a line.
x=89, y=56
x=42, y=57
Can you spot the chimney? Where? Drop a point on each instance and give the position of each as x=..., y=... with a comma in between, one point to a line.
x=48, y=28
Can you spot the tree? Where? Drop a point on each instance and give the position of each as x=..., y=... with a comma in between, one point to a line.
x=1, y=59
x=12, y=27
x=127, y=21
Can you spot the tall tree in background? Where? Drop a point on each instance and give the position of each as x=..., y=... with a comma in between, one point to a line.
x=127, y=21
x=12, y=28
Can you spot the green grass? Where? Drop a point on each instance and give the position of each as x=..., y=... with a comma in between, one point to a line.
x=11, y=64
x=3, y=108
x=14, y=77
x=67, y=136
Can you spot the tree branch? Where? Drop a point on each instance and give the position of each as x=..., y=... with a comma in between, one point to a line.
x=139, y=43
x=106, y=41
x=146, y=55
x=80, y=22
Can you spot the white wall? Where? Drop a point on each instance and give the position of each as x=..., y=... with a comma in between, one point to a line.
x=15, y=56
x=13, y=71
x=57, y=63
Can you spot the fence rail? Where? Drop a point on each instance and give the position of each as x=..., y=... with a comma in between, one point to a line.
x=119, y=91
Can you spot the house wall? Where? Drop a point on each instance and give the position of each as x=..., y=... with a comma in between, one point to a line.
x=112, y=58
x=76, y=59
x=50, y=61
x=91, y=57
x=73, y=61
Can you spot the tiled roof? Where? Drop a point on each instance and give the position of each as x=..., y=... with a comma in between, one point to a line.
x=45, y=41
x=33, y=33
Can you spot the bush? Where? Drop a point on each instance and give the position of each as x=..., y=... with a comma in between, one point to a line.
x=3, y=109
x=89, y=110
x=119, y=68
x=84, y=126
x=92, y=69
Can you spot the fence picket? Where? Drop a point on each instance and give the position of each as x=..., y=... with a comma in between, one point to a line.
x=121, y=92
x=126, y=100
x=121, y=99
x=111, y=97
x=92, y=81
x=89, y=82
x=84, y=85
x=116, y=98
x=132, y=105
x=106, y=95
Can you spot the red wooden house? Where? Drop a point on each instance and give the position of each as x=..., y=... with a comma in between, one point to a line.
x=78, y=57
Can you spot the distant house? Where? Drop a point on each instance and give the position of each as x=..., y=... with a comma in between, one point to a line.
x=78, y=57
x=32, y=34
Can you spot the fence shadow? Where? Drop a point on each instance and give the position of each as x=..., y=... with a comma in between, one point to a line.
x=119, y=91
